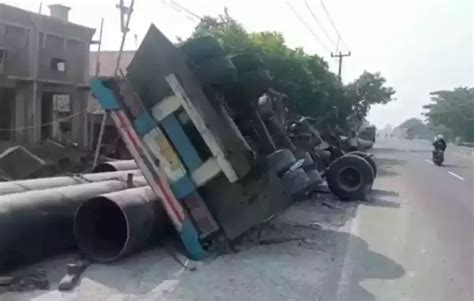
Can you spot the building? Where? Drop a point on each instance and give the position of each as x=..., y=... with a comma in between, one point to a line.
x=44, y=75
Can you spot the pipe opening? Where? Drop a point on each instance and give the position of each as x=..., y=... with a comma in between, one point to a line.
x=101, y=229
x=104, y=167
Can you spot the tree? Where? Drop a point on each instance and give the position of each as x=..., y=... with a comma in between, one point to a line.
x=417, y=127
x=453, y=110
x=311, y=88
x=366, y=91
x=231, y=35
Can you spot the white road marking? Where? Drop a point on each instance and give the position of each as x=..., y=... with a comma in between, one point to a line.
x=455, y=175
x=428, y=161
x=347, y=266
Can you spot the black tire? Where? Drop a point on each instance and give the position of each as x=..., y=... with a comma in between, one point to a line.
x=325, y=158
x=350, y=177
x=216, y=70
x=202, y=48
x=281, y=160
x=369, y=159
x=318, y=162
x=296, y=183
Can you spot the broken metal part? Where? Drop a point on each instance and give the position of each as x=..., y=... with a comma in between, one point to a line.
x=73, y=274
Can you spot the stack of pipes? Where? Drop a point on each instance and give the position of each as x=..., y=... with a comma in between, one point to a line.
x=107, y=214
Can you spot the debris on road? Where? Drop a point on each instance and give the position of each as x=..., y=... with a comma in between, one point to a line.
x=6, y=280
x=32, y=280
x=19, y=163
x=73, y=274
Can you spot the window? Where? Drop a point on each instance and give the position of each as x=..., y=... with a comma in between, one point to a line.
x=3, y=59
x=62, y=103
x=58, y=65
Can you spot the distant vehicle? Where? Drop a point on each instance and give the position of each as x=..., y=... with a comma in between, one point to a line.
x=409, y=134
x=367, y=132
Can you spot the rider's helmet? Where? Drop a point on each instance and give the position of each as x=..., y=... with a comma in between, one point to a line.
x=440, y=137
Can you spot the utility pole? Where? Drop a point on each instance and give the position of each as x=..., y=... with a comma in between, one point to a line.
x=340, y=56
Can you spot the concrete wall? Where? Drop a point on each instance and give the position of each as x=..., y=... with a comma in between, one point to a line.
x=32, y=41
x=16, y=40
x=74, y=53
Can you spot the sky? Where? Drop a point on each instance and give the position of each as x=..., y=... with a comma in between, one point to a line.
x=419, y=46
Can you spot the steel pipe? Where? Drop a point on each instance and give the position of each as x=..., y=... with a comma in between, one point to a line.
x=116, y=166
x=112, y=225
x=46, y=183
x=39, y=223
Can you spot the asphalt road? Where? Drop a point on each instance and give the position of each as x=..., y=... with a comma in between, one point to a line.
x=415, y=239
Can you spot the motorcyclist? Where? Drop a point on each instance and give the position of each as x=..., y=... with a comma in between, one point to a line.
x=439, y=143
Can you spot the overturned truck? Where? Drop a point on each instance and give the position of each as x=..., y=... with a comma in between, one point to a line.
x=208, y=134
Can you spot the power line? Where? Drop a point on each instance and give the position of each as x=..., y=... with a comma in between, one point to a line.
x=298, y=16
x=333, y=24
x=180, y=8
x=319, y=23
x=58, y=120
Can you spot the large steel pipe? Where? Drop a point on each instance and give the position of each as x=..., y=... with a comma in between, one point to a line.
x=112, y=225
x=39, y=223
x=116, y=166
x=45, y=183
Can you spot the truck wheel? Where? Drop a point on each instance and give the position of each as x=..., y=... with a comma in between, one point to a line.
x=325, y=158
x=216, y=70
x=202, y=48
x=281, y=160
x=296, y=183
x=315, y=179
x=308, y=162
x=318, y=162
x=368, y=158
x=350, y=177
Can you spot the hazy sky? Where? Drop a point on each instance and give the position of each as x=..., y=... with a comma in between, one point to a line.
x=419, y=45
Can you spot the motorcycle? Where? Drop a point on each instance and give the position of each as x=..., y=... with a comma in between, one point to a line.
x=438, y=157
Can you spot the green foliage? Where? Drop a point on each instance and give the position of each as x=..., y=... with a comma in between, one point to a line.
x=453, y=110
x=311, y=88
x=226, y=30
x=367, y=90
x=417, y=127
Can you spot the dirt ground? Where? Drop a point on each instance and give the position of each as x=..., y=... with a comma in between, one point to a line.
x=287, y=258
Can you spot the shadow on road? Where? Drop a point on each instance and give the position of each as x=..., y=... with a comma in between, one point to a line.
x=386, y=165
x=378, y=202
x=356, y=263
x=455, y=166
